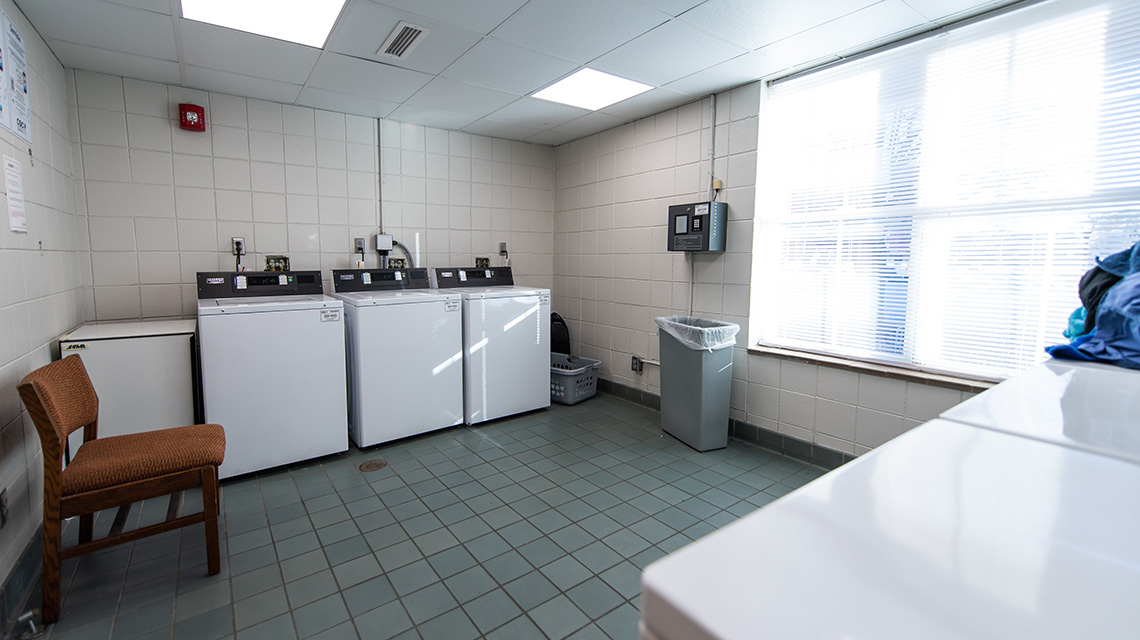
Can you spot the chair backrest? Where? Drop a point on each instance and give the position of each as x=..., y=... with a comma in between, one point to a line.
x=60, y=399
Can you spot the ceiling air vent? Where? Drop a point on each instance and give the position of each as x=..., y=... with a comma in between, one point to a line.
x=402, y=40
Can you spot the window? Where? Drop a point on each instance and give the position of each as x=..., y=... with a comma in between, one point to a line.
x=934, y=205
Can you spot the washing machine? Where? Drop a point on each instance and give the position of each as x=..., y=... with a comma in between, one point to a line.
x=405, y=353
x=506, y=342
x=273, y=367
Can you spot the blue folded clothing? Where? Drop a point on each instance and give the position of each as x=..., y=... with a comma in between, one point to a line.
x=1123, y=263
x=1116, y=339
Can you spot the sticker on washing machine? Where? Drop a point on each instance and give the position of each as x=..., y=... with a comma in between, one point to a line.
x=75, y=346
x=451, y=306
x=215, y=280
x=701, y=209
x=544, y=300
x=330, y=315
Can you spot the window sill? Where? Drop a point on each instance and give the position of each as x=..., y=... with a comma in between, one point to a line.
x=885, y=370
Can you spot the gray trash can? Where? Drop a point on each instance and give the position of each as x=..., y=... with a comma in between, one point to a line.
x=696, y=379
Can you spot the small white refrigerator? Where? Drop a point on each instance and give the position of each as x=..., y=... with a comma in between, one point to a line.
x=143, y=372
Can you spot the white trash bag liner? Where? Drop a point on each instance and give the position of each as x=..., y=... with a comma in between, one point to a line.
x=700, y=333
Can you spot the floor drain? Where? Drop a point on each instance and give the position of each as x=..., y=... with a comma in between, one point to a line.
x=373, y=465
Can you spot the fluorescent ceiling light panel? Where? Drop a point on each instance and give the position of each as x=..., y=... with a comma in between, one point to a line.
x=305, y=22
x=590, y=89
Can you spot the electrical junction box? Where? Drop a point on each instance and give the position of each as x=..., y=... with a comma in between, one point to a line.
x=700, y=226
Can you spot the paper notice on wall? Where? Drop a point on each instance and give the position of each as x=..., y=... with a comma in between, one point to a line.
x=15, y=105
x=14, y=185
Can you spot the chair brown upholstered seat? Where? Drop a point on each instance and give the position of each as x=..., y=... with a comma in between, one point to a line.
x=113, y=472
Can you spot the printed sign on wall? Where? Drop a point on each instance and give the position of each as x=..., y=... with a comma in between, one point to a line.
x=15, y=105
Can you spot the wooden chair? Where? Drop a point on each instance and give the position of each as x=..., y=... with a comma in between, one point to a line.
x=112, y=472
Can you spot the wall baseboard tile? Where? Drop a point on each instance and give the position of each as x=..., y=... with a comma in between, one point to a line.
x=17, y=591
x=742, y=431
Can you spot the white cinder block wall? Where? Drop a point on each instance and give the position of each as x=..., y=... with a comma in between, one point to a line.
x=459, y=195
x=40, y=292
x=613, y=275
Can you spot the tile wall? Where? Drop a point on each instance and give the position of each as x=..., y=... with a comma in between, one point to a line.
x=456, y=196
x=40, y=291
x=613, y=276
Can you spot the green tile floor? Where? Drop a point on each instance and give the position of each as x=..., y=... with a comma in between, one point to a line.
x=535, y=526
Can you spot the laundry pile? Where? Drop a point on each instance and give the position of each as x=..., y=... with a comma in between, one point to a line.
x=1110, y=295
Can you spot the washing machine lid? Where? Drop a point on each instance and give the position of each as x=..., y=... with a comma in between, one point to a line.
x=264, y=304
x=130, y=329
x=384, y=298
x=1082, y=405
x=516, y=291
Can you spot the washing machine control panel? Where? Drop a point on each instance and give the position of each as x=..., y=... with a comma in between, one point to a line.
x=350, y=280
x=248, y=284
x=473, y=277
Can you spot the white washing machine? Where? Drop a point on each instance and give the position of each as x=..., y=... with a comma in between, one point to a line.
x=273, y=369
x=405, y=353
x=506, y=342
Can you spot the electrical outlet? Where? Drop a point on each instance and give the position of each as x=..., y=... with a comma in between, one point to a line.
x=635, y=364
x=358, y=244
x=3, y=508
x=502, y=248
x=237, y=245
x=482, y=263
x=396, y=263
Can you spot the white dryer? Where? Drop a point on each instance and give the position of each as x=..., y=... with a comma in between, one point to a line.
x=506, y=342
x=405, y=353
x=273, y=369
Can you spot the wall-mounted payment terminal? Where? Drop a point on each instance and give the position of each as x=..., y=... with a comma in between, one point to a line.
x=698, y=227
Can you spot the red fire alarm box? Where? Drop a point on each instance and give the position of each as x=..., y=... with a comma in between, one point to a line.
x=192, y=117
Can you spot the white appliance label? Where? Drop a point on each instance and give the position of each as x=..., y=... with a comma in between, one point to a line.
x=215, y=280
x=399, y=276
x=330, y=315
x=487, y=273
x=463, y=276
x=75, y=346
x=544, y=299
x=366, y=278
x=702, y=209
x=282, y=279
x=451, y=306
x=240, y=282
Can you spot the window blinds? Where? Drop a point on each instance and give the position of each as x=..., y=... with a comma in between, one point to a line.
x=934, y=205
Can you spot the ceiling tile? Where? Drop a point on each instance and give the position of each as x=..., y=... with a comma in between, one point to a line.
x=445, y=94
x=205, y=45
x=343, y=103
x=239, y=85
x=500, y=130
x=940, y=9
x=353, y=76
x=591, y=123
x=669, y=52
x=366, y=25
x=77, y=56
x=740, y=70
x=550, y=138
x=754, y=24
x=581, y=30
x=101, y=24
x=852, y=31
x=429, y=118
x=648, y=103
x=157, y=6
x=482, y=16
x=672, y=7
x=498, y=65
x=540, y=114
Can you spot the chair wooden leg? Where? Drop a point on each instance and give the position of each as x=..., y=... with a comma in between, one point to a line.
x=86, y=527
x=51, y=586
x=210, y=511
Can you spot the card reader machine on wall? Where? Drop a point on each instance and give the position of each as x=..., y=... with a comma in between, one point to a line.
x=698, y=227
